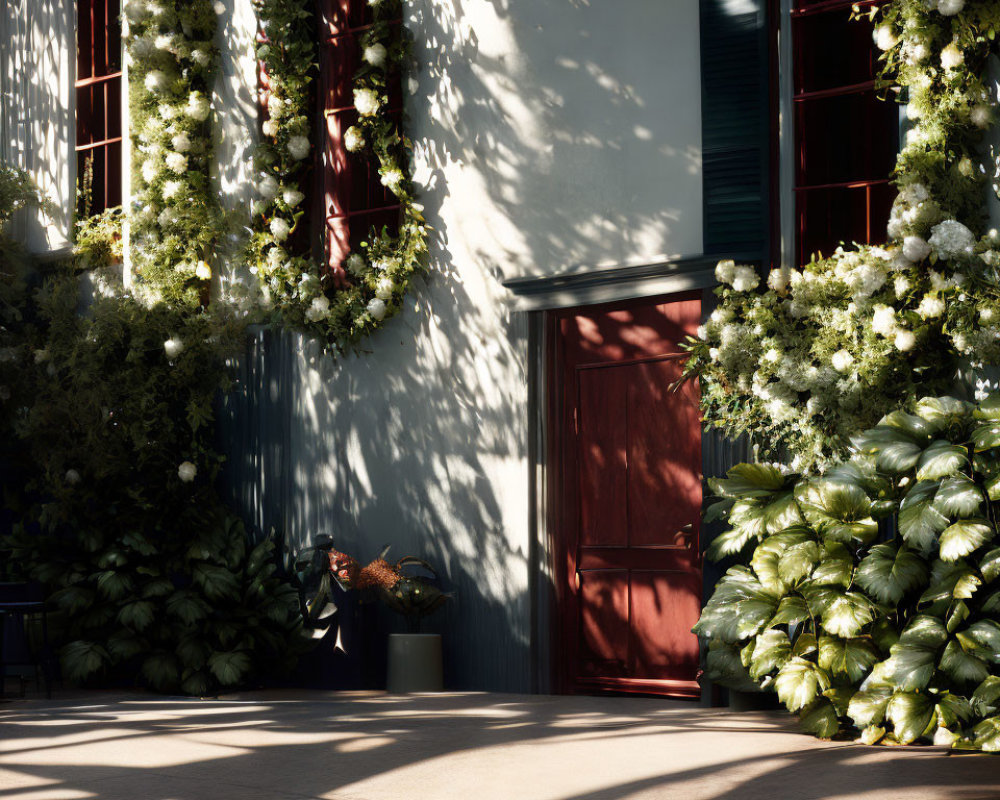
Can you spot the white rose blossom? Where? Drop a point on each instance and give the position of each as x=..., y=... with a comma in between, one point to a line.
x=356, y=264
x=172, y=189
x=904, y=341
x=203, y=271
x=778, y=279
x=280, y=229
x=198, y=107
x=268, y=187
x=173, y=347
x=951, y=238
x=376, y=308
x=745, y=279
x=354, y=139
x=150, y=170
x=980, y=116
x=269, y=128
x=842, y=360
x=318, y=309
x=884, y=320
x=181, y=142
x=724, y=271
x=292, y=197
x=885, y=38
x=392, y=179
x=177, y=163
x=384, y=288
x=952, y=57
x=186, y=471
x=366, y=102
x=298, y=147
x=375, y=55
x=156, y=81
x=930, y=307
x=915, y=248
x=949, y=8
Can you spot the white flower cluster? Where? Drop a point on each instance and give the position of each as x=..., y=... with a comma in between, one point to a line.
x=951, y=238
x=741, y=278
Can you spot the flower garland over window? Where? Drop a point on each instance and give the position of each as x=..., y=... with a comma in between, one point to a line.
x=339, y=308
x=826, y=350
x=175, y=218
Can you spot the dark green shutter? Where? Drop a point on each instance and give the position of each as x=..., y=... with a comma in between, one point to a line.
x=735, y=127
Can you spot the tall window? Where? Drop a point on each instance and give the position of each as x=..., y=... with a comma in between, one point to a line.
x=354, y=200
x=98, y=105
x=845, y=138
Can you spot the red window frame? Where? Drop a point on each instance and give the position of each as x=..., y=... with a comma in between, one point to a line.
x=354, y=199
x=841, y=182
x=98, y=90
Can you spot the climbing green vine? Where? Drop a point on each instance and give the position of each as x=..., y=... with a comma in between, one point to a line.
x=175, y=217
x=339, y=303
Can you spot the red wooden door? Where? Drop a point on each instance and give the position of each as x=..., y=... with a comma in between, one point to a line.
x=628, y=488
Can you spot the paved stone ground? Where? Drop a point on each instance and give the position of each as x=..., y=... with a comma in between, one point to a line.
x=364, y=746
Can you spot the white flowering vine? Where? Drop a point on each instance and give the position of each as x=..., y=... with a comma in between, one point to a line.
x=827, y=349
x=340, y=303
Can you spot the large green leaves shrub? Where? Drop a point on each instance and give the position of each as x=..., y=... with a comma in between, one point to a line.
x=868, y=598
x=108, y=464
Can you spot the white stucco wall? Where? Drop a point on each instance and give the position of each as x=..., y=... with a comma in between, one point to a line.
x=572, y=128
x=37, y=132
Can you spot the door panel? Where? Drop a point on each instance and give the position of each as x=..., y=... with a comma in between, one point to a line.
x=628, y=497
x=603, y=618
x=602, y=443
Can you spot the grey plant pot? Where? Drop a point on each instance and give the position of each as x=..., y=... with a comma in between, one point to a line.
x=414, y=663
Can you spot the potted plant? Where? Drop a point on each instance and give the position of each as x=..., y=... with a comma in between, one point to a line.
x=407, y=588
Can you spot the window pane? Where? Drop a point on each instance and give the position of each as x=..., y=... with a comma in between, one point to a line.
x=828, y=217
x=847, y=138
x=832, y=51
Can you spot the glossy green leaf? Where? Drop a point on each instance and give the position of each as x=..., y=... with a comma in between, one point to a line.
x=920, y=521
x=799, y=683
x=941, y=459
x=836, y=566
x=229, y=668
x=911, y=714
x=924, y=631
x=748, y=480
x=791, y=610
x=137, y=615
x=986, y=437
x=989, y=565
x=888, y=572
x=850, y=657
x=798, y=561
x=724, y=665
x=964, y=537
x=847, y=614
x=81, y=660
x=868, y=707
x=950, y=580
x=962, y=666
x=820, y=719
x=943, y=412
x=958, y=497
x=987, y=735
x=770, y=652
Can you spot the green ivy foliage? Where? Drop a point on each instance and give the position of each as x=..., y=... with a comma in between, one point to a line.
x=340, y=304
x=868, y=598
x=108, y=461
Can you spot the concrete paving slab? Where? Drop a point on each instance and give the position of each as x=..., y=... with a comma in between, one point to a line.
x=289, y=745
